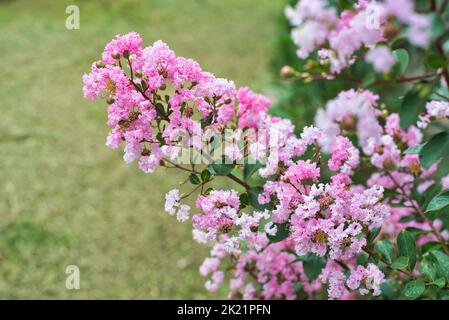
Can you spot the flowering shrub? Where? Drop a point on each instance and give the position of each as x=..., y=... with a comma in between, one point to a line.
x=354, y=206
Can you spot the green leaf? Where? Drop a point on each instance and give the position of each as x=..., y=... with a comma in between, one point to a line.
x=442, y=263
x=297, y=287
x=428, y=270
x=416, y=232
x=439, y=202
x=386, y=249
x=414, y=150
x=430, y=193
x=440, y=282
x=407, y=247
x=413, y=105
x=438, y=25
x=390, y=193
x=221, y=169
x=144, y=85
x=253, y=194
x=244, y=199
x=160, y=138
x=312, y=265
x=160, y=110
x=208, y=190
x=435, y=149
x=369, y=79
x=205, y=175
x=414, y=289
x=250, y=169
x=403, y=59
x=432, y=245
x=194, y=179
x=400, y=263
x=373, y=234
x=436, y=61
x=283, y=231
x=362, y=258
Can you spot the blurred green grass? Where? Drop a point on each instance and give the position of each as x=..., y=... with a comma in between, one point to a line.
x=67, y=199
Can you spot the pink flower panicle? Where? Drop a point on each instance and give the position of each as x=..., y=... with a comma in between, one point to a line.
x=308, y=205
x=317, y=27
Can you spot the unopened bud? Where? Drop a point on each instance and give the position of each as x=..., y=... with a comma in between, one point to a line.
x=126, y=54
x=163, y=87
x=100, y=64
x=287, y=72
x=115, y=55
x=227, y=101
x=138, y=74
x=110, y=100
x=391, y=30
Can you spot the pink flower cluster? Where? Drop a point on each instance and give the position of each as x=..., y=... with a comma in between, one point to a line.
x=333, y=220
x=153, y=96
x=383, y=141
x=365, y=279
x=312, y=206
x=345, y=157
x=352, y=112
x=435, y=110
x=340, y=38
x=268, y=272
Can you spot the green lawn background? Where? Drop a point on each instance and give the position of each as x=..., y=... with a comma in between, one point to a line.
x=67, y=199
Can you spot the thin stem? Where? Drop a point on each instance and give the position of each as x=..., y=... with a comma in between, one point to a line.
x=442, y=96
x=433, y=5
x=180, y=167
x=421, y=213
x=406, y=79
x=343, y=265
x=239, y=181
x=440, y=48
x=443, y=6
x=191, y=192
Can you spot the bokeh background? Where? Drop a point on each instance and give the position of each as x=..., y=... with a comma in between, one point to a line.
x=67, y=199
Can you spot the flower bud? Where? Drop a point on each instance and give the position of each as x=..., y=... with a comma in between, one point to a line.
x=287, y=72
x=115, y=55
x=126, y=54
x=100, y=64
x=227, y=101
x=110, y=100
x=163, y=87
x=138, y=74
x=391, y=30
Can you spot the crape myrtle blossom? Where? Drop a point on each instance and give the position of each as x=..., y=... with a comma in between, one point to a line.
x=345, y=157
x=445, y=182
x=338, y=39
x=353, y=112
x=366, y=279
x=381, y=58
x=321, y=198
x=137, y=108
x=173, y=206
x=435, y=110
